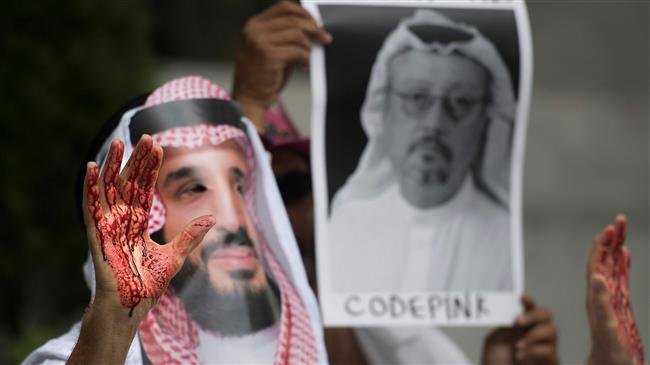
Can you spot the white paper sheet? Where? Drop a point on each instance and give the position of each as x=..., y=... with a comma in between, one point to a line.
x=418, y=131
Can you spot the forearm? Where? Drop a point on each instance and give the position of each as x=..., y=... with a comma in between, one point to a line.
x=253, y=109
x=105, y=336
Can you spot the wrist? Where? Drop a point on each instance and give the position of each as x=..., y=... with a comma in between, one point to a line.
x=105, y=336
x=111, y=319
x=253, y=109
x=110, y=308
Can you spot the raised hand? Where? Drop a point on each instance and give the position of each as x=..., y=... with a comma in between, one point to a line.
x=272, y=42
x=614, y=334
x=128, y=264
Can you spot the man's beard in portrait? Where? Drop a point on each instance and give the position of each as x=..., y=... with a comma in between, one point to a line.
x=230, y=313
x=429, y=159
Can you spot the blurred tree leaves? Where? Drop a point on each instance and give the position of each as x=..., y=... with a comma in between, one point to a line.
x=64, y=68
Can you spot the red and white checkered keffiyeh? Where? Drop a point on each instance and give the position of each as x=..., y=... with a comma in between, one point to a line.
x=168, y=334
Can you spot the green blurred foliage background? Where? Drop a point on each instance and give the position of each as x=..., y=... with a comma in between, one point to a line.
x=65, y=66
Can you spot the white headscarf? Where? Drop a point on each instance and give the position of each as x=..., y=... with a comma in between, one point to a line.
x=374, y=173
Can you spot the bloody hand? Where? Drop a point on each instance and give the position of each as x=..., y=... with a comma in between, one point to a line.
x=128, y=264
x=272, y=41
x=614, y=333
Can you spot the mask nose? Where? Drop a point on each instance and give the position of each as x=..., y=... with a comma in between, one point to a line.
x=230, y=210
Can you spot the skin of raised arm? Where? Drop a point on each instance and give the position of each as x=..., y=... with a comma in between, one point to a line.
x=105, y=336
x=131, y=271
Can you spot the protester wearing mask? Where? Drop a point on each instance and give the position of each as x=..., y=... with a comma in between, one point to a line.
x=241, y=295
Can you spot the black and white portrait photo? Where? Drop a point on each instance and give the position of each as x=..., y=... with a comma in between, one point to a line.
x=420, y=119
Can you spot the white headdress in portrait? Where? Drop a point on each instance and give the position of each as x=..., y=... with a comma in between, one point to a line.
x=374, y=172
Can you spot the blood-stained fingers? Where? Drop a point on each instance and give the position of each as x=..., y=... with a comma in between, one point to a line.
x=605, y=263
x=108, y=179
x=191, y=236
x=599, y=310
x=99, y=191
x=133, y=168
x=598, y=251
x=624, y=268
x=608, y=255
x=602, y=319
x=621, y=228
x=138, y=158
x=92, y=208
x=619, y=269
x=148, y=176
x=91, y=205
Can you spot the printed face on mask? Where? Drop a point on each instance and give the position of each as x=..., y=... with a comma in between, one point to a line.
x=211, y=180
x=222, y=283
x=435, y=117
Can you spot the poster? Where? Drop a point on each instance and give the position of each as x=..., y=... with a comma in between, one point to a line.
x=418, y=131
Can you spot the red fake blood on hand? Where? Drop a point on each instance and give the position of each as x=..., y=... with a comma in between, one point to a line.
x=141, y=268
x=614, y=265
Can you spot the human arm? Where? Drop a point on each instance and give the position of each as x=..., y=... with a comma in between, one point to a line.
x=532, y=339
x=131, y=270
x=272, y=43
x=105, y=336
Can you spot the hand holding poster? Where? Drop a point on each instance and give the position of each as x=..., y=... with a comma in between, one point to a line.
x=418, y=133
